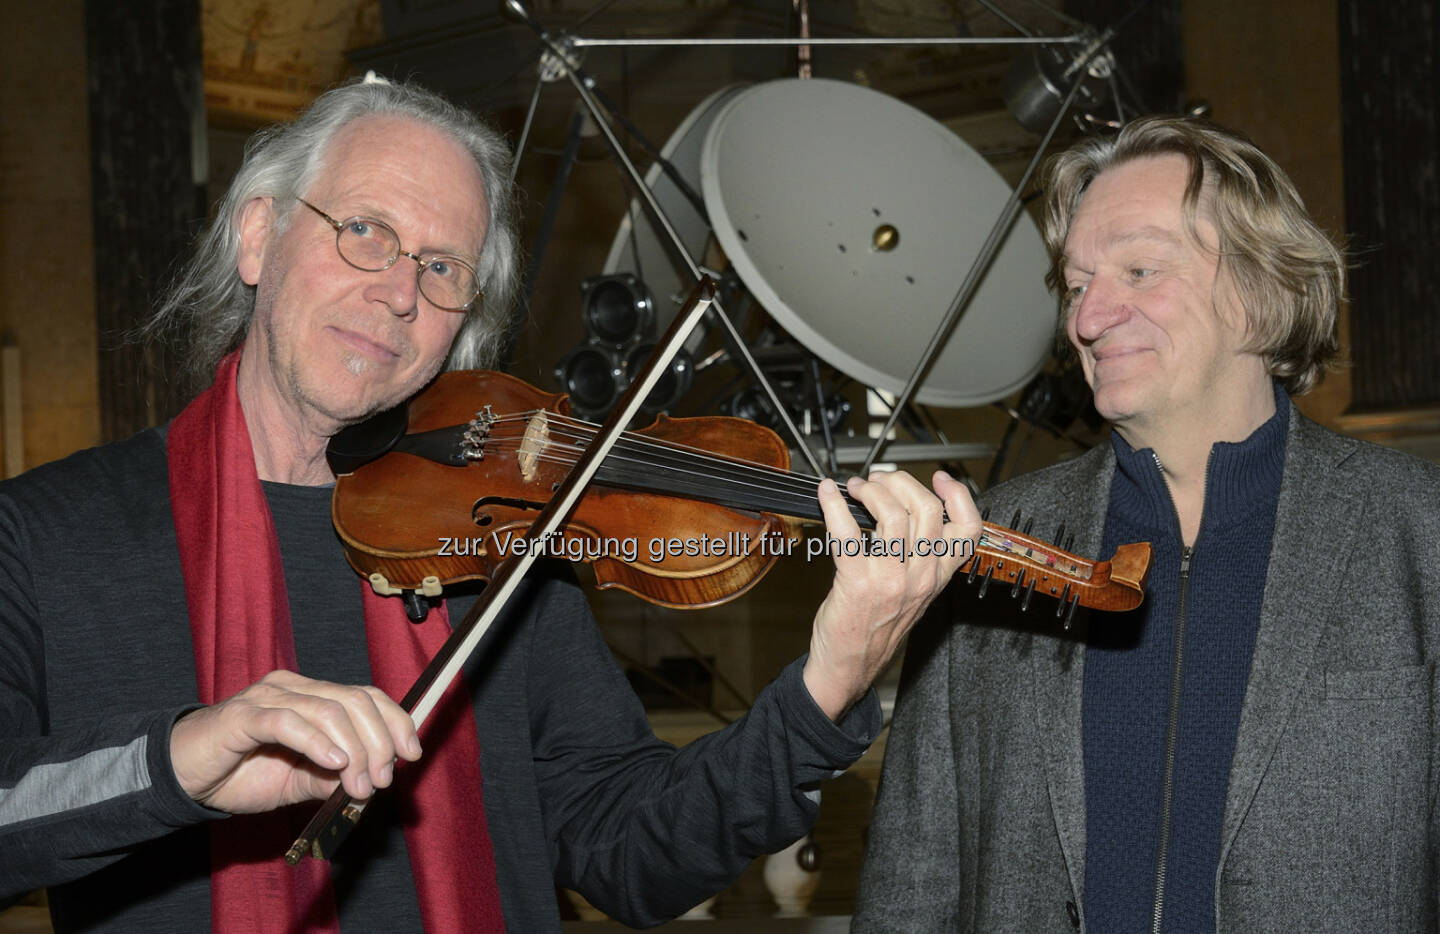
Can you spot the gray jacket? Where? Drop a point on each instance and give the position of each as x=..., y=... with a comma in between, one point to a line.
x=1330, y=820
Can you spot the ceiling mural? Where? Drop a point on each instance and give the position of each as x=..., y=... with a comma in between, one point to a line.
x=264, y=59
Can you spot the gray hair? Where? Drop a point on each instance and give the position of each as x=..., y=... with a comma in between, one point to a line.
x=210, y=306
x=1290, y=276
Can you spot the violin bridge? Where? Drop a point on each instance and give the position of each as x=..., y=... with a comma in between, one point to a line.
x=533, y=445
x=472, y=443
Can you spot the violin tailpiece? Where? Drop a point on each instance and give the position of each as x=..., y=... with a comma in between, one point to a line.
x=473, y=440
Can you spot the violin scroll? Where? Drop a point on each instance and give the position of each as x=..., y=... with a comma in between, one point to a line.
x=1032, y=566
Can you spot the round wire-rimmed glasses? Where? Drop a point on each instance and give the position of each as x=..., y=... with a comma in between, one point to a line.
x=447, y=282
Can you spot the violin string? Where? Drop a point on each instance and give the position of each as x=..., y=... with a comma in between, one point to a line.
x=674, y=457
x=708, y=467
x=801, y=485
x=703, y=466
x=773, y=476
x=804, y=490
x=765, y=478
x=997, y=543
x=583, y=431
x=569, y=459
x=796, y=502
x=768, y=472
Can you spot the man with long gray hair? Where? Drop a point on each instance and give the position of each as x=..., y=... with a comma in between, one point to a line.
x=1255, y=747
x=185, y=655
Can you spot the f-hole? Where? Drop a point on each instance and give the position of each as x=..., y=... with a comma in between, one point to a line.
x=480, y=513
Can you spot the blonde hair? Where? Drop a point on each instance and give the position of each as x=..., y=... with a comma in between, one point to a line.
x=1287, y=272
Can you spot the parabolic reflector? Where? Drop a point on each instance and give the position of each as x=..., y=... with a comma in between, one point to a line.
x=853, y=219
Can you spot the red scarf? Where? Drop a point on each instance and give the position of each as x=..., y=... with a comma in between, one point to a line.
x=240, y=622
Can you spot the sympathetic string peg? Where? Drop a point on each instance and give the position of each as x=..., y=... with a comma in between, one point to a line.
x=985, y=584
x=1064, y=596
x=1070, y=617
x=1029, y=592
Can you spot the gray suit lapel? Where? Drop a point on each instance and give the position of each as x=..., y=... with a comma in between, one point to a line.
x=1304, y=575
x=1059, y=671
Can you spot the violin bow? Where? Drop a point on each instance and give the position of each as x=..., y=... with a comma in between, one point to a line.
x=340, y=813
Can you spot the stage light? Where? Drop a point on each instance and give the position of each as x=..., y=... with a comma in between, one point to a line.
x=751, y=403
x=592, y=376
x=619, y=317
x=672, y=385
x=618, y=309
x=1035, y=86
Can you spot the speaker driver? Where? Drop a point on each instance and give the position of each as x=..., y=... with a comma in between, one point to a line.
x=673, y=384
x=590, y=375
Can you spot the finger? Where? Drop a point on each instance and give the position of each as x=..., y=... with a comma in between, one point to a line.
x=282, y=726
x=892, y=519
x=381, y=727
x=350, y=733
x=925, y=510
x=401, y=726
x=960, y=506
x=964, y=516
x=373, y=732
x=838, y=520
x=398, y=725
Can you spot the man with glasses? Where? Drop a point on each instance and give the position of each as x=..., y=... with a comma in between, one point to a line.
x=186, y=658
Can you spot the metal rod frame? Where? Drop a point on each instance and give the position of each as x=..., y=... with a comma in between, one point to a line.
x=1013, y=205
x=559, y=44
x=581, y=82
x=840, y=41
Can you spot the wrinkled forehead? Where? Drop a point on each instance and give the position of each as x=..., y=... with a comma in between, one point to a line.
x=1144, y=198
x=404, y=171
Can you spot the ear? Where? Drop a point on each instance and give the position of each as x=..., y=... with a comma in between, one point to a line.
x=255, y=228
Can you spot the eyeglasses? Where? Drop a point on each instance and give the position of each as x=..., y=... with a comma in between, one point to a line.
x=447, y=282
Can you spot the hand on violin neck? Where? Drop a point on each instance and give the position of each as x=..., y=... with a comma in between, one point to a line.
x=287, y=738
x=878, y=594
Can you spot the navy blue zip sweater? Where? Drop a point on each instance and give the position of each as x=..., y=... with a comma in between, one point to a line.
x=1160, y=718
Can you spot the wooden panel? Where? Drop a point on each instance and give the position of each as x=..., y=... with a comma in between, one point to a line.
x=144, y=97
x=1392, y=199
x=47, y=314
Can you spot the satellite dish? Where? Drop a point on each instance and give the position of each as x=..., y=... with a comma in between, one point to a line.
x=853, y=218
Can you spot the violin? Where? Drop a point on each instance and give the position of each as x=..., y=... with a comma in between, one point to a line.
x=519, y=471
x=687, y=512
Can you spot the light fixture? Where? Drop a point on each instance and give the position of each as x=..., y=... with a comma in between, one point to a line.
x=618, y=309
x=672, y=385
x=619, y=317
x=591, y=376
